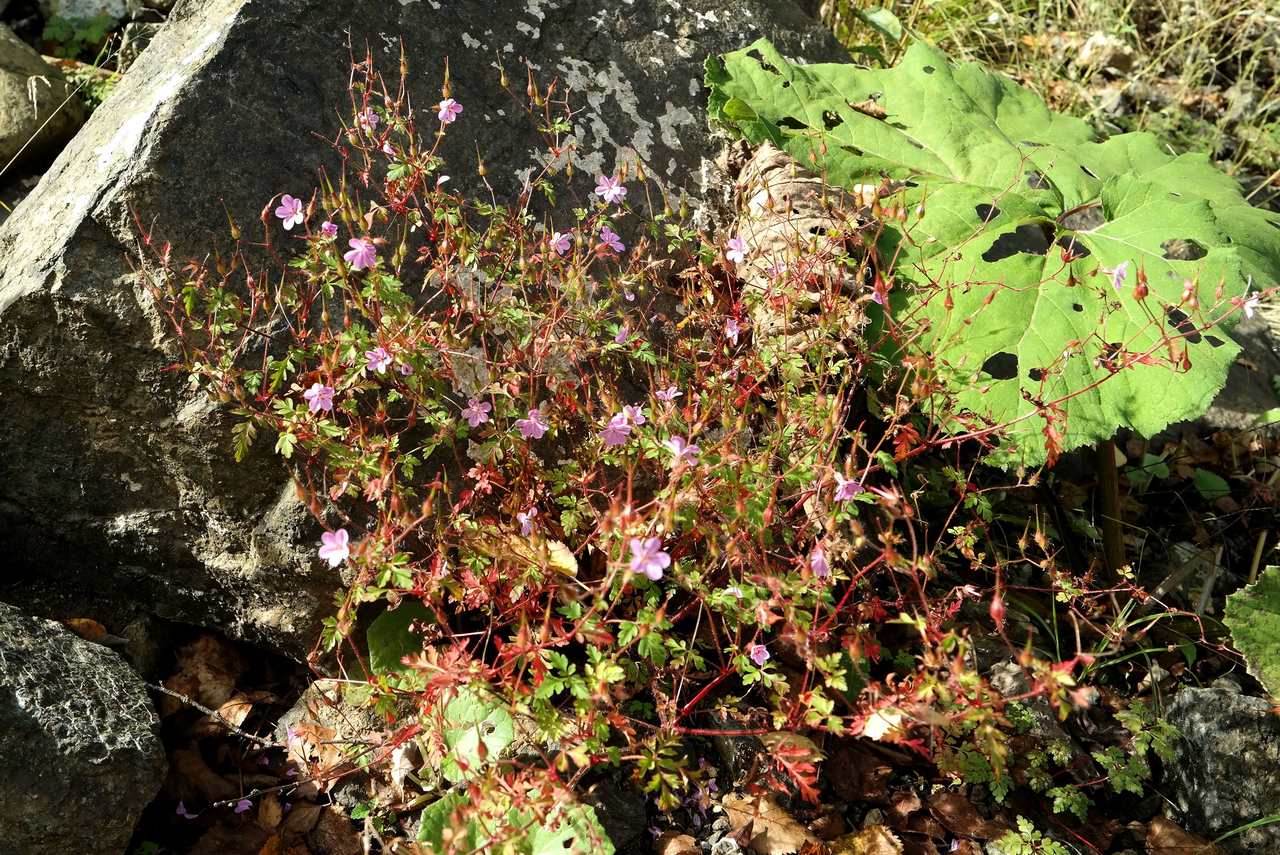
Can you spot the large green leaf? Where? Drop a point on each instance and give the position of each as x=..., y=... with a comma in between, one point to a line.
x=1253, y=616
x=474, y=716
x=572, y=830
x=391, y=636
x=1006, y=186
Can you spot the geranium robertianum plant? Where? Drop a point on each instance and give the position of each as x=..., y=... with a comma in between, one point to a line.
x=594, y=522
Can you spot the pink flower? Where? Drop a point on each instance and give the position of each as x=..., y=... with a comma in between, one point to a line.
x=443, y=179
x=243, y=805
x=477, y=412
x=736, y=250
x=731, y=329
x=818, y=563
x=1118, y=274
x=363, y=254
x=682, y=451
x=616, y=432
x=846, y=488
x=319, y=397
x=1251, y=305
x=759, y=655
x=328, y=229
x=610, y=190
x=669, y=394
x=877, y=296
x=405, y=368
x=378, y=359
x=184, y=813
x=290, y=212
x=561, y=242
x=777, y=269
x=533, y=427
x=526, y=521
x=735, y=591
x=448, y=110
x=621, y=337
x=335, y=546
x=367, y=120
x=648, y=558
x=610, y=239
x=635, y=415
x=387, y=149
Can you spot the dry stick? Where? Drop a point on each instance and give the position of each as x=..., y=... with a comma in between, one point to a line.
x=1257, y=556
x=217, y=716
x=1109, y=498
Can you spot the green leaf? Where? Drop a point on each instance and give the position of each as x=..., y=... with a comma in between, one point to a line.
x=474, y=716
x=995, y=186
x=390, y=637
x=882, y=21
x=573, y=830
x=1210, y=485
x=1253, y=616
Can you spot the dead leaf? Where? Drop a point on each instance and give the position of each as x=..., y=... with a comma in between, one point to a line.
x=301, y=819
x=208, y=669
x=675, y=843
x=872, y=840
x=869, y=107
x=902, y=804
x=86, y=628
x=774, y=831
x=270, y=812
x=857, y=775
x=829, y=825
x=958, y=815
x=1165, y=837
x=190, y=769
x=335, y=835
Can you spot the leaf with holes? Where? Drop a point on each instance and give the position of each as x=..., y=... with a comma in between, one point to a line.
x=1253, y=616
x=477, y=729
x=1018, y=225
x=571, y=829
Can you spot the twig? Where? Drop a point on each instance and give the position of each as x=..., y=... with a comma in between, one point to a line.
x=217, y=716
x=1257, y=556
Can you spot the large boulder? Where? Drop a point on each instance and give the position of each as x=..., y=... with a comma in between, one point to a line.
x=38, y=112
x=117, y=490
x=1225, y=772
x=79, y=757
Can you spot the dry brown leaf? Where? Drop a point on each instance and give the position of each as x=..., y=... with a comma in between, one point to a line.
x=301, y=819
x=86, y=628
x=273, y=846
x=958, y=815
x=270, y=812
x=335, y=835
x=902, y=804
x=870, y=107
x=189, y=767
x=208, y=669
x=774, y=831
x=675, y=843
x=857, y=775
x=1165, y=837
x=872, y=840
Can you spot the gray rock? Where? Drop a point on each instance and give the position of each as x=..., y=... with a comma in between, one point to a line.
x=117, y=489
x=36, y=117
x=1225, y=773
x=79, y=757
x=1249, y=392
x=79, y=10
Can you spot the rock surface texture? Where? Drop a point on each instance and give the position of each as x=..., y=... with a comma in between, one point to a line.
x=79, y=757
x=1225, y=774
x=33, y=103
x=116, y=486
